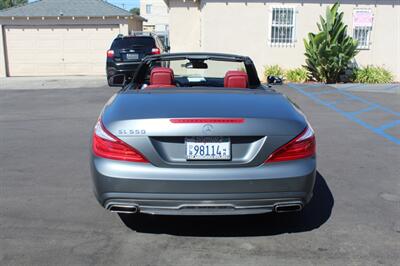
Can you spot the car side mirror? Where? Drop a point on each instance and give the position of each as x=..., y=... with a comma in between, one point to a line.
x=167, y=48
x=118, y=80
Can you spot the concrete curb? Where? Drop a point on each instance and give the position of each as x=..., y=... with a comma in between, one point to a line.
x=65, y=82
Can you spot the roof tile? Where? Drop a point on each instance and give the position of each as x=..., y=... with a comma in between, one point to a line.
x=70, y=8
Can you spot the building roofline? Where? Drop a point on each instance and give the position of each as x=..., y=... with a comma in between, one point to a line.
x=354, y=2
x=125, y=13
x=79, y=16
x=133, y=15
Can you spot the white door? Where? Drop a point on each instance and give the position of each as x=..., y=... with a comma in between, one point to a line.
x=58, y=50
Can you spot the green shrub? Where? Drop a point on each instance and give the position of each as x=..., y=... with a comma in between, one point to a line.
x=329, y=52
x=273, y=70
x=299, y=74
x=10, y=3
x=372, y=74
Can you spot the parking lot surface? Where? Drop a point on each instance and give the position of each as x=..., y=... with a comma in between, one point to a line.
x=48, y=215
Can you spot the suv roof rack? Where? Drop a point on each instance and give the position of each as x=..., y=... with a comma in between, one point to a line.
x=142, y=33
x=137, y=33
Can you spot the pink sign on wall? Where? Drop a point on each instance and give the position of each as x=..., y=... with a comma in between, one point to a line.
x=362, y=18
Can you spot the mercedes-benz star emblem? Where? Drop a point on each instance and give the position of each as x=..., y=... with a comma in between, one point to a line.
x=207, y=129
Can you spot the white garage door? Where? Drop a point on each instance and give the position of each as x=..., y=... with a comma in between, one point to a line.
x=58, y=50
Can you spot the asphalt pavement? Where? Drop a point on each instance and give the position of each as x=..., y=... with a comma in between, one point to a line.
x=49, y=216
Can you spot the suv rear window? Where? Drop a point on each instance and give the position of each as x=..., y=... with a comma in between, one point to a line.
x=133, y=41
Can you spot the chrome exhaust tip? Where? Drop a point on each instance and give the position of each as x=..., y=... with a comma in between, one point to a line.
x=120, y=208
x=288, y=207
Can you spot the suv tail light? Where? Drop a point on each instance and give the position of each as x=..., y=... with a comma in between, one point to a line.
x=300, y=147
x=106, y=145
x=110, y=53
x=155, y=51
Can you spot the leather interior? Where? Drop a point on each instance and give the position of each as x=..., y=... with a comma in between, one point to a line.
x=236, y=79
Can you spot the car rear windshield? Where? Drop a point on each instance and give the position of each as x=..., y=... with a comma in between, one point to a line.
x=129, y=42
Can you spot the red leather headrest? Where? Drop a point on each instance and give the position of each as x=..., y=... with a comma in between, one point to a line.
x=235, y=79
x=161, y=77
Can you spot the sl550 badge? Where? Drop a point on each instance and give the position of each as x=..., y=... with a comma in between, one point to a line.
x=126, y=132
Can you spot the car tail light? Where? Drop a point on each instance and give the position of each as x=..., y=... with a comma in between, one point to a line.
x=155, y=51
x=300, y=147
x=207, y=120
x=110, y=53
x=106, y=145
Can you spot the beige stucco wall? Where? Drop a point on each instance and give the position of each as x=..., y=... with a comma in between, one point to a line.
x=126, y=24
x=244, y=28
x=185, y=26
x=159, y=14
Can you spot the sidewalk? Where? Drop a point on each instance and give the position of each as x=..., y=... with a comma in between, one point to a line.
x=53, y=82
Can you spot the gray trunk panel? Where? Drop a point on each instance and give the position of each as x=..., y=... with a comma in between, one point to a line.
x=142, y=119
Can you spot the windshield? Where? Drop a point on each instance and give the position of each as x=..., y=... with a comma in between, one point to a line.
x=204, y=69
x=196, y=70
x=193, y=72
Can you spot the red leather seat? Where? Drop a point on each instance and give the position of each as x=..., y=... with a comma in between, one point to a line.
x=236, y=79
x=161, y=77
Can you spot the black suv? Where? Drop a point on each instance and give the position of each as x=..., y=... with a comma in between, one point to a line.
x=127, y=52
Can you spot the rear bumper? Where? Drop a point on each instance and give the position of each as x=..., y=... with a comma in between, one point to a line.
x=114, y=68
x=201, y=191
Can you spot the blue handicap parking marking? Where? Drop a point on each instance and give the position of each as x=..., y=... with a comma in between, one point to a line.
x=324, y=92
x=353, y=115
x=369, y=108
x=369, y=87
x=390, y=125
x=388, y=110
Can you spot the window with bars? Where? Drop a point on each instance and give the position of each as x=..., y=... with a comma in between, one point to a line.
x=362, y=27
x=282, y=25
x=362, y=35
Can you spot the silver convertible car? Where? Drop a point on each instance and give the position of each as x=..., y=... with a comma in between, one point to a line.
x=198, y=134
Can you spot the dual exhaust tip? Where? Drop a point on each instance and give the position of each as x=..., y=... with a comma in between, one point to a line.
x=288, y=207
x=131, y=209
x=119, y=208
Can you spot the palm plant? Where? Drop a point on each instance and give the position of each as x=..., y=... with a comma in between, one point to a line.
x=329, y=52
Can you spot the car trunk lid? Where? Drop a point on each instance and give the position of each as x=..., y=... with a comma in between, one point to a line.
x=147, y=121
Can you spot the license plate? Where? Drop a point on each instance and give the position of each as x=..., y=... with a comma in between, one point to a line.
x=132, y=56
x=208, y=148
